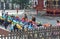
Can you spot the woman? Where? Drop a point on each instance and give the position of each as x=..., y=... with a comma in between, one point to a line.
x=58, y=23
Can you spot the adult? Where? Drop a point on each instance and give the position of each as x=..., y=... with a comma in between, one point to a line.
x=6, y=15
x=58, y=23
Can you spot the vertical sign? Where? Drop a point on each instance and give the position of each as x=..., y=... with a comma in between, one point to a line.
x=38, y=4
x=35, y=3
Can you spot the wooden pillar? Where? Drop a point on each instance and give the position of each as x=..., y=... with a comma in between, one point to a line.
x=54, y=12
x=37, y=12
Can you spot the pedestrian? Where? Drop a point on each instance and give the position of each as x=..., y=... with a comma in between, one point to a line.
x=2, y=13
x=25, y=18
x=58, y=23
x=33, y=19
x=46, y=25
x=6, y=16
x=17, y=18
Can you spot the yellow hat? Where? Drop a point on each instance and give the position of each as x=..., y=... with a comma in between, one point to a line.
x=9, y=20
x=19, y=26
x=2, y=18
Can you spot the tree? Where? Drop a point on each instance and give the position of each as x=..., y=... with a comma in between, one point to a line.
x=22, y=3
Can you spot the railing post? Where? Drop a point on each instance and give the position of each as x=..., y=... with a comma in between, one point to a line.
x=1, y=37
x=10, y=35
x=19, y=35
x=35, y=34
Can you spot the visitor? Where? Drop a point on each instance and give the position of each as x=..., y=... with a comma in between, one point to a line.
x=12, y=17
x=33, y=19
x=3, y=13
x=17, y=18
x=58, y=23
x=6, y=16
x=25, y=18
x=47, y=25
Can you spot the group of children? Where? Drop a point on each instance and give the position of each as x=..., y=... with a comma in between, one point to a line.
x=15, y=22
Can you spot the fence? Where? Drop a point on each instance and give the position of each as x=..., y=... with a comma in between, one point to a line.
x=40, y=33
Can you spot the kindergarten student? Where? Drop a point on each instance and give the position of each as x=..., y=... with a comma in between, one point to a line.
x=17, y=18
x=25, y=18
x=46, y=24
x=6, y=16
x=2, y=13
x=33, y=18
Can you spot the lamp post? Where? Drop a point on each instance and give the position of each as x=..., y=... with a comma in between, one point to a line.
x=17, y=9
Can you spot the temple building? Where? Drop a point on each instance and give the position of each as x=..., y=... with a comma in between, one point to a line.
x=7, y=4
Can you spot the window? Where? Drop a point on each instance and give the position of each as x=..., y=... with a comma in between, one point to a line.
x=58, y=2
x=54, y=2
x=46, y=2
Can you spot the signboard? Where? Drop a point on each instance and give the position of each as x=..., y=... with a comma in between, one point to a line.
x=39, y=5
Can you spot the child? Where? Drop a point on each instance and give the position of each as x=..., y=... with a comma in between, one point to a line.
x=24, y=18
x=33, y=19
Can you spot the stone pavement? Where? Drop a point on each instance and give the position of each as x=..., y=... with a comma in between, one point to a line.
x=10, y=12
x=40, y=17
